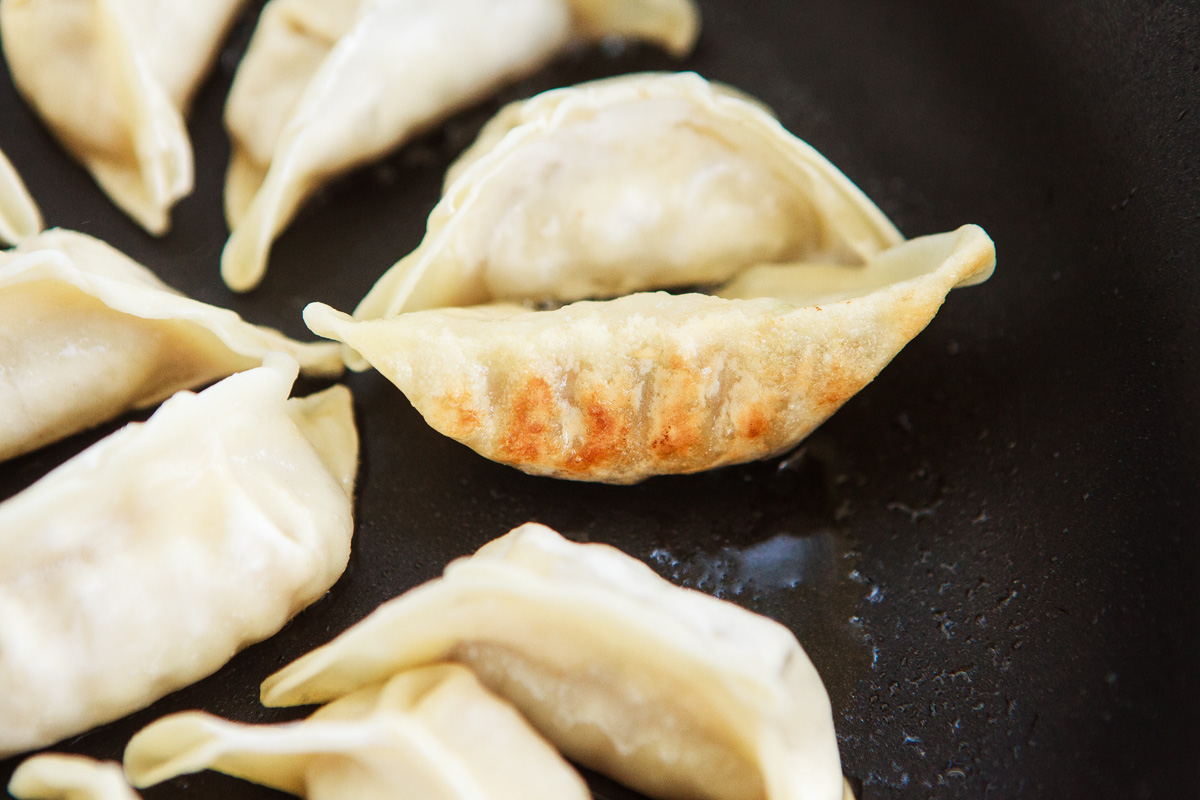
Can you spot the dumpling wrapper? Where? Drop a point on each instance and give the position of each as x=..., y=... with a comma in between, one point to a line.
x=433, y=733
x=327, y=85
x=638, y=182
x=19, y=215
x=670, y=691
x=57, y=776
x=86, y=334
x=144, y=563
x=112, y=79
x=652, y=383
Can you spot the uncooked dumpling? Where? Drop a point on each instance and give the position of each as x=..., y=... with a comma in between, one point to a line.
x=639, y=182
x=654, y=383
x=113, y=79
x=144, y=563
x=56, y=776
x=327, y=85
x=672, y=692
x=86, y=334
x=19, y=215
x=432, y=733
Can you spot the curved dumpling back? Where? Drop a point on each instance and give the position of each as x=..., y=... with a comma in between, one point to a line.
x=56, y=776
x=431, y=733
x=144, y=563
x=327, y=85
x=670, y=691
x=19, y=215
x=112, y=79
x=652, y=383
x=637, y=182
x=86, y=333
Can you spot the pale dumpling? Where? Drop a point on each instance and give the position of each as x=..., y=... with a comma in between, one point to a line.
x=432, y=733
x=672, y=692
x=19, y=215
x=639, y=182
x=653, y=383
x=144, y=563
x=113, y=79
x=327, y=85
x=86, y=334
x=57, y=776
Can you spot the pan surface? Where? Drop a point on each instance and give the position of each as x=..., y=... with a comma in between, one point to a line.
x=990, y=554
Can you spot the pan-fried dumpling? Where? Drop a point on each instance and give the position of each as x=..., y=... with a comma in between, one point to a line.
x=86, y=334
x=431, y=733
x=56, y=776
x=327, y=85
x=144, y=563
x=674, y=693
x=19, y=215
x=112, y=79
x=639, y=182
x=653, y=383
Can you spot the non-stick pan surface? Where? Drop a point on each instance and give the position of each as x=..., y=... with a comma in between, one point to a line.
x=990, y=554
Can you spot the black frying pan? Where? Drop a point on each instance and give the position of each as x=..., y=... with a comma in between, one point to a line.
x=991, y=553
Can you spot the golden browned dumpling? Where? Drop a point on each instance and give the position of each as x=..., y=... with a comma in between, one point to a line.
x=654, y=383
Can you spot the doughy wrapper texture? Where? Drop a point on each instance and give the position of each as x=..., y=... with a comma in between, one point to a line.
x=674, y=693
x=433, y=733
x=639, y=182
x=653, y=383
x=87, y=334
x=56, y=776
x=19, y=215
x=112, y=79
x=327, y=85
x=144, y=563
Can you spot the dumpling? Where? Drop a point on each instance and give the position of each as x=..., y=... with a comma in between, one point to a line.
x=639, y=182
x=112, y=79
x=629, y=184
x=672, y=692
x=86, y=334
x=56, y=776
x=431, y=733
x=327, y=85
x=144, y=563
x=19, y=215
x=653, y=383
